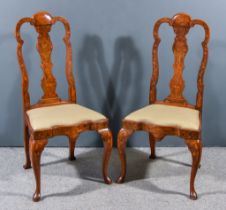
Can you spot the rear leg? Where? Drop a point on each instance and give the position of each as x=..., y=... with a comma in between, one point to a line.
x=72, y=142
x=152, y=146
x=27, y=163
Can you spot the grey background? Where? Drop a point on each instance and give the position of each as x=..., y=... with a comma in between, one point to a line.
x=112, y=46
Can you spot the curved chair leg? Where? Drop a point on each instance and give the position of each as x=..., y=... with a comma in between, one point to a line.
x=36, y=148
x=195, y=147
x=121, y=144
x=27, y=164
x=106, y=136
x=152, y=146
x=72, y=142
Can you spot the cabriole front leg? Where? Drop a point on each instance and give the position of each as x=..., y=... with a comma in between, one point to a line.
x=106, y=136
x=121, y=144
x=36, y=148
x=195, y=147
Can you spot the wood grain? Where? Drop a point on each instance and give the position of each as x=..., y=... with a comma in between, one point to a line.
x=181, y=24
x=43, y=23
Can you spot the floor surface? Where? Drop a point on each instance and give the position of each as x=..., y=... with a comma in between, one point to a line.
x=159, y=184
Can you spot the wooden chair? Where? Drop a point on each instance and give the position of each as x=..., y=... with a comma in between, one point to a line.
x=174, y=115
x=51, y=116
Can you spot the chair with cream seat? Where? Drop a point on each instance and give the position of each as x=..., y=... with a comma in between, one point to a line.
x=52, y=116
x=174, y=115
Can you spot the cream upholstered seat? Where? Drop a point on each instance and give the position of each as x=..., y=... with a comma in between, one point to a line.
x=61, y=115
x=166, y=115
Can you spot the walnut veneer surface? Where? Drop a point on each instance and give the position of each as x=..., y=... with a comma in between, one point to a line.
x=181, y=24
x=36, y=139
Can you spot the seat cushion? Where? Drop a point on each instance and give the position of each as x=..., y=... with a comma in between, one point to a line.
x=166, y=115
x=58, y=115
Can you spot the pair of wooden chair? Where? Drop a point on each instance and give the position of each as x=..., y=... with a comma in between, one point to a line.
x=52, y=116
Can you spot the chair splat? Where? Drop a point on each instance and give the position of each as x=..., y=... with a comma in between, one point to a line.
x=181, y=25
x=43, y=23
